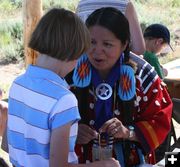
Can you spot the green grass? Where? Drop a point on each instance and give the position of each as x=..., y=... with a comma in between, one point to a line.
x=68, y=4
x=159, y=11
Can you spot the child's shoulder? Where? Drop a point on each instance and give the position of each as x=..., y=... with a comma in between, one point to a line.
x=150, y=56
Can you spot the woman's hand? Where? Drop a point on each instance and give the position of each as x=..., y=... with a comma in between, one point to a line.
x=85, y=134
x=115, y=128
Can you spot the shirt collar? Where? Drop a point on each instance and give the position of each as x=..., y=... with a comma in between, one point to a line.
x=39, y=72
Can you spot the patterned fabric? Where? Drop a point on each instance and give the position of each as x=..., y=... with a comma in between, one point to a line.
x=126, y=90
x=37, y=105
x=100, y=104
x=136, y=156
x=127, y=84
x=82, y=72
x=152, y=109
x=86, y=7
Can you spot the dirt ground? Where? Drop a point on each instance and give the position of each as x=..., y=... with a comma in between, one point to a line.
x=9, y=71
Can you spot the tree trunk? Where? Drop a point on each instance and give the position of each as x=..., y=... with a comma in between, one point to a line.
x=32, y=12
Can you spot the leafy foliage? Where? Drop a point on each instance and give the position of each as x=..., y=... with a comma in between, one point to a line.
x=11, y=46
x=70, y=4
x=11, y=43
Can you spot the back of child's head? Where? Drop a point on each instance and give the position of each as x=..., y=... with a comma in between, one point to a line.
x=60, y=34
x=157, y=31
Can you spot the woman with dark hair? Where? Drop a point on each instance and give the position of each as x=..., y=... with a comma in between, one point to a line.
x=124, y=106
x=86, y=7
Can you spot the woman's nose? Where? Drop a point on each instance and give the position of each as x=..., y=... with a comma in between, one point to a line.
x=97, y=49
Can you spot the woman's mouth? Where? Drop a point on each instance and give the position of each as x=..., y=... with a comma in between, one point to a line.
x=98, y=60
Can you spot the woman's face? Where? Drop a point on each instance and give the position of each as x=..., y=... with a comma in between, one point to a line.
x=105, y=49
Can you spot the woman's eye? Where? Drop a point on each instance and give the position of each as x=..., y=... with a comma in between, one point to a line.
x=93, y=42
x=108, y=44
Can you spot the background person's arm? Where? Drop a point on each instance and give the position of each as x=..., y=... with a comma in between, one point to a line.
x=3, y=116
x=3, y=124
x=137, y=40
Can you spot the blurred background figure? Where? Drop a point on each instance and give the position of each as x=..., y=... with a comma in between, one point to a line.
x=157, y=37
x=3, y=113
x=1, y=93
x=3, y=117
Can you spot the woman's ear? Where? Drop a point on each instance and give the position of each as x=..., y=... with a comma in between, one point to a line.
x=124, y=46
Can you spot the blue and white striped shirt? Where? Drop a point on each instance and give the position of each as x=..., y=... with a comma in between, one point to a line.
x=39, y=101
x=86, y=7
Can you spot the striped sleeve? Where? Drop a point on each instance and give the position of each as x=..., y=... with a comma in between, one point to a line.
x=65, y=110
x=86, y=7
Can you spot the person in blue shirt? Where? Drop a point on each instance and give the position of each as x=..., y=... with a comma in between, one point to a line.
x=43, y=113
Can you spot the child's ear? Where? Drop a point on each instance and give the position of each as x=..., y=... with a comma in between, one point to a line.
x=160, y=41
